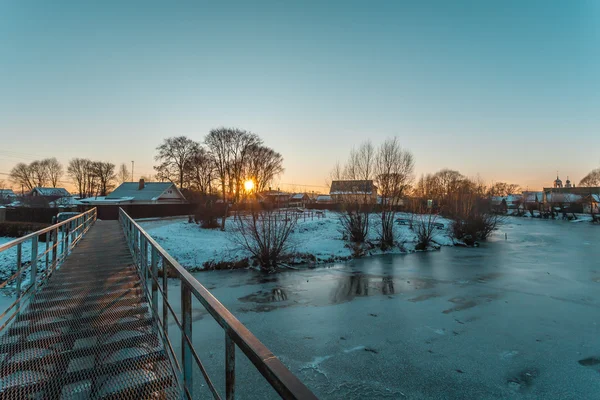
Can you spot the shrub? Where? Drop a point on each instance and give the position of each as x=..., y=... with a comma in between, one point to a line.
x=474, y=227
x=207, y=216
x=424, y=226
x=265, y=234
x=355, y=222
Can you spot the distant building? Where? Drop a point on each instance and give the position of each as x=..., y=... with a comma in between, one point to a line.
x=353, y=191
x=49, y=193
x=140, y=193
x=299, y=200
x=276, y=197
x=569, y=198
x=7, y=196
x=324, y=199
x=591, y=203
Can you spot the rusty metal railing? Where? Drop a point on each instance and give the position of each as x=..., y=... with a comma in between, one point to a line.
x=148, y=254
x=34, y=265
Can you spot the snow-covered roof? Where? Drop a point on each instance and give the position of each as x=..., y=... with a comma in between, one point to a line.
x=7, y=193
x=49, y=191
x=65, y=201
x=150, y=192
x=352, y=187
x=324, y=197
x=298, y=196
x=562, y=198
x=105, y=199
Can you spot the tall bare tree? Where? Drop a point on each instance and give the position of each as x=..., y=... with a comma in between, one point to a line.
x=503, y=189
x=39, y=173
x=356, y=207
x=394, y=169
x=54, y=170
x=263, y=164
x=591, y=179
x=175, y=155
x=80, y=171
x=202, y=171
x=230, y=148
x=123, y=175
x=22, y=176
x=104, y=173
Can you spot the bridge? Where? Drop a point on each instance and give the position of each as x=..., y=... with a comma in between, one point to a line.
x=89, y=317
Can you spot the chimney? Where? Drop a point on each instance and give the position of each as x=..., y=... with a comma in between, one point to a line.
x=142, y=184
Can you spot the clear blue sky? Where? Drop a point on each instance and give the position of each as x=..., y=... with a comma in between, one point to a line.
x=509, y=90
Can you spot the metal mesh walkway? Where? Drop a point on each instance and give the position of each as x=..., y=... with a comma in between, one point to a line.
x=89, y=332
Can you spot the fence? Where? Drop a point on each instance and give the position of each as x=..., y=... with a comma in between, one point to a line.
x=111, y=212
x=148, y=255
x=32, y=273
x=32, y=214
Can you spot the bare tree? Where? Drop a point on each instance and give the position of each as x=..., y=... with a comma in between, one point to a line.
x=175, y=155
x=104, y=174
x=357, y=205
x=394, y=174
x=265, y=234
x=263, y=164
x=591, y=179
x=54, y=170
x=22, y=175
x=202, y=171
x=80, y=171
x=503, y=189
x=39, y=173
x=123, y=175
x=424, y=225
x=230, y=148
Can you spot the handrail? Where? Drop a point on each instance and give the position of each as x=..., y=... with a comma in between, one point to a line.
x=22, y=239
x=64, y=236
x=287, y=385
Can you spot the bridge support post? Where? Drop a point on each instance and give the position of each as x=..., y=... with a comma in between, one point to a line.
x=186, y=334
x=20, y=276
x=154, y=262
x=165, y=290
x=54, y=246
x=229, y=367
x=34, y=257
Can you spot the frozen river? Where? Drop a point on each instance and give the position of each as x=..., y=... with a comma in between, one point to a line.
x=516, y=318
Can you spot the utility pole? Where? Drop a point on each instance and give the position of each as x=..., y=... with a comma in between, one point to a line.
x=132, y=171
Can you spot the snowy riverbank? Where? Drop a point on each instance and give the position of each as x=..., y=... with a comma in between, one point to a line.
x=315, y=240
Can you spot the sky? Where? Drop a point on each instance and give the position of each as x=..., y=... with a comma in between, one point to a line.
x=504, y=90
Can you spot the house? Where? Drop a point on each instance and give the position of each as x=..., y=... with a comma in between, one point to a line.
x=353, y=191
x=67, y=201
x=590, y=203
x=42, y=196
x=324, y=199
x=299, y=200
x=505, y=203
x=276, y=197
x=7, y=196
x=140, y=193
x=48, y=193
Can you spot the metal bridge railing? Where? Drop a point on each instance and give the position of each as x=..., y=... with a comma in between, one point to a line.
x=148, y=254
x=38, y=255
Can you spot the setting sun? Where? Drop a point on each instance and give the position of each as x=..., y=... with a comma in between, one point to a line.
x=249, y=185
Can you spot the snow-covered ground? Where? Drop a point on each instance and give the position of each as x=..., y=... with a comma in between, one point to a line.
x=8, y=258
x=194, y=247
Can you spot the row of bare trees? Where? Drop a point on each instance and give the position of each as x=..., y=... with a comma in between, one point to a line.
x=221, y=163
x=94, y=178
x=39, y=173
